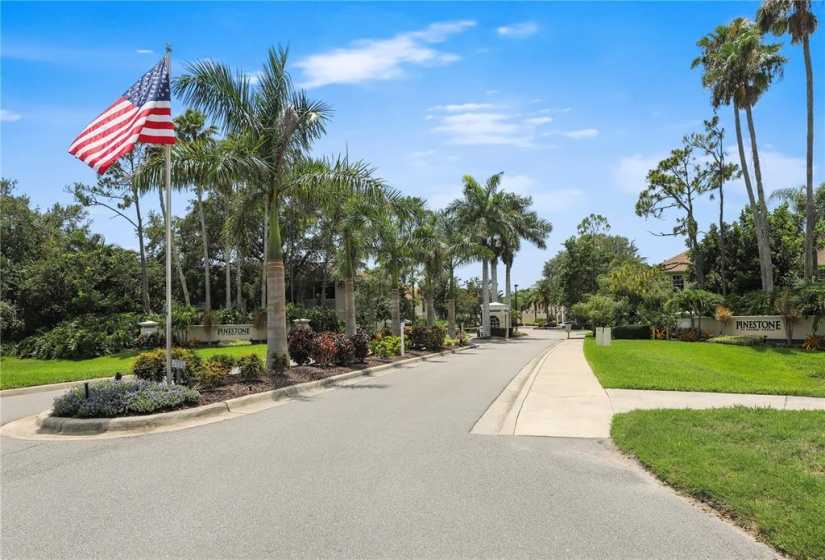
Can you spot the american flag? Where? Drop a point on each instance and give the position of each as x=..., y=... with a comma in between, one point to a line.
x=142, y=114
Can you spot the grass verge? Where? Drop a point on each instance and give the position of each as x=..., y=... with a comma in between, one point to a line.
x=717, y=368
x=15, y=372
x=763, y=468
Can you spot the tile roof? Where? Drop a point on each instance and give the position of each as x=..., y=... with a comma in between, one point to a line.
x=678, y=263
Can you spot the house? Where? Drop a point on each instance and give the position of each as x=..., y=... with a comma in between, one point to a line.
x=676, y=269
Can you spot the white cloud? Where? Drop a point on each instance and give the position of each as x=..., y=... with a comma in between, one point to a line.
x=482, y=128
x=545, y=201
x=518, y=30
x=461, y=107
x=145, y=51
x=631, y=171
x=539, y=120
x=579, y=134
x=8, y=116
x=778, y=170
x=380, y=59
x=253, y=77
x=429, y=117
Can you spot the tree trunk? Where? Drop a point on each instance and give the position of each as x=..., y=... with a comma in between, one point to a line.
x=227, y=251
x=175, y=254
x=395, y=307
x=507, y=293
x=810, y=217
x=485, y=297
x=763, y=207
x=494, y=280
x=266, y=252
x=349, y=303
x=275, y=290
x=757, y=219
x=144, y=278
x=238, y=287
x=722, y=264
x=451, y=317
x=430, y=303
x=206, y=279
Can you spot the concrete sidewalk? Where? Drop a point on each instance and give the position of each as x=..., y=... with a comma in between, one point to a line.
x=563, y=398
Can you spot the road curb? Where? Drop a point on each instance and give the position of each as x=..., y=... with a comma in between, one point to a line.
x=56, y=386
x=131, y=425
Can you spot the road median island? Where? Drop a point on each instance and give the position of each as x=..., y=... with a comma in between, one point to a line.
x=45, y=426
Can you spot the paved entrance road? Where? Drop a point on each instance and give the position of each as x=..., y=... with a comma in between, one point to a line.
x=385, y=468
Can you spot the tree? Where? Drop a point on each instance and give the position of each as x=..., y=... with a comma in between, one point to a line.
x=279, y=124
x=676, y=183
x=797, y=19
x=119, y=190
x=797, y=200
x=738, y=68
x=698, y=303
x=712, y=145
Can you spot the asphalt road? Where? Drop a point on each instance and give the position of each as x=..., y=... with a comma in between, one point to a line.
x=383, y=469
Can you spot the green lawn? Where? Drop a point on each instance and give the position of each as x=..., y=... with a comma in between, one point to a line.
x=696, y=366
x=763, y=468
x=15, y=372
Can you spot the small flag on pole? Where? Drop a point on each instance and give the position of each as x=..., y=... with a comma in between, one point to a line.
x=142, y=114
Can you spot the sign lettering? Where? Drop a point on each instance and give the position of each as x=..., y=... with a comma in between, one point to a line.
x=224, y=331
x=758, y=325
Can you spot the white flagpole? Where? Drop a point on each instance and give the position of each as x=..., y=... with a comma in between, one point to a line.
x=167, y=156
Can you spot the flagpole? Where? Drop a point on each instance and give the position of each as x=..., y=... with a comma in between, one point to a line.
x=167, y=161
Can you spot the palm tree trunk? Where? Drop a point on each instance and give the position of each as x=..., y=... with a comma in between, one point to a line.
x=430, y=300
x=810, y=219
x=266, y=252
x=485, y=297
x=395, y=307
x=238, y=290
x=494, y=279
x=276, y=291
x=763, y=208
x=181, y=276
x=227, y=251
x=507, y=292
x=451, y=304
x=206, y=279
x=349, y=289
x=757, y=218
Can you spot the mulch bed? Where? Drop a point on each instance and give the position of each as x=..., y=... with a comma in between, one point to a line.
x=294, y=376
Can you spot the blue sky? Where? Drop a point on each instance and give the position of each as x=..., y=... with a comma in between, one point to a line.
x=575, y=102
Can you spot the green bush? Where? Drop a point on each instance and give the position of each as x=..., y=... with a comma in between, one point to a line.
x=82, y=338
x=231, y=317
x=215, y=371
x=280, y=363
x=109, y=399
x=386, y=347
x=252, y=367
x=431, y=338
x=151, y=366
x=449, y=342
x=322, y=319
x=744, y=340
x=631, y=332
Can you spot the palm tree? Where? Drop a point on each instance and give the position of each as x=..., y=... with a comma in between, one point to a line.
x=393, y=246
x=459, y=250
x=738, y=68
x=543, y=290
x=796, y=18
x=482, y=212
x=282, y=124
x=798, y=200
x=430, y=251
x=197, y=142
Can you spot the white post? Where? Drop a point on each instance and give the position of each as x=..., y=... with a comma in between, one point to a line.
x=167, y=156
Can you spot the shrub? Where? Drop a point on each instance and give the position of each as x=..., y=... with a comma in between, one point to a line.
x=153, y=340
x=252, y=367
x=108, y=399
x=231, y=317
x=360, y=343
x=194, y=343
x=449, y=342
x=724, y=315
x=423, y=336
x=151, y=366
x=84, y=337
x=209, y=320
x=814, y=342
x=322, y=319
x=298, y=345
x=215, y=371
x=234, y=342
x=280, y=363
x=322, y=349
x=386, y=347
x=687, y=335
x=659, y=334
x=631, y=332
x=744, y=340
x=344, y=350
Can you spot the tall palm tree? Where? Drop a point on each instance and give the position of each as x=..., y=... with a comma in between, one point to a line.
x=282, y=124
x=197, y=142
x=482, y=211
x=393, y=246
x=797, y=19
x=525, y=225
x=738, y=68
x=459, y=250
x=430, y=251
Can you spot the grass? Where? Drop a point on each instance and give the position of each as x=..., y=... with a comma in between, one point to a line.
x=762, y=468
x=15, y=372
x=716, y=368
